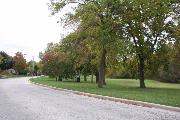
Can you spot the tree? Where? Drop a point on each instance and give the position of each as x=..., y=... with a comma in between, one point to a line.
x=56, y=64
x=145, y=23
x=95, y=26
x=34, y=68
x=6, y=61
x=1, y=58
x=105, y=24
x=31, y=67
x=169, y=65
x=80, y=53
x=20, y=64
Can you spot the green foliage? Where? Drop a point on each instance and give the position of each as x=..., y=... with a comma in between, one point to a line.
x=31, y=66
x=1, y=58
x=146, y=24
x=6, y=61
x=169, y=70
x=56, y=64
x=124, y=38
x=97, y=30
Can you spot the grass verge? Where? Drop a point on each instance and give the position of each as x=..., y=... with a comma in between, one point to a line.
x=156, y=92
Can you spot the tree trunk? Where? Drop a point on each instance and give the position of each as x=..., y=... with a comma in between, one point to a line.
x=97, y=77
x=78, y=77
x=141, y=72
x=104, y=81
x=101, y=81
x=85, y=78
x=60, y=78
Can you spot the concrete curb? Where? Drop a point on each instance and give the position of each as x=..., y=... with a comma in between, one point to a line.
x=126, y=101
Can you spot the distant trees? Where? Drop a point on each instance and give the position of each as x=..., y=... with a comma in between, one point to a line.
x=30, y=66
x=6, y=61
x=1, y=58
x=20, y=64
x=34, y=68
x=169, y=64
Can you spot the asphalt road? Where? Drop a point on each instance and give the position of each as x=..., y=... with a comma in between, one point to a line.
x=20, y=100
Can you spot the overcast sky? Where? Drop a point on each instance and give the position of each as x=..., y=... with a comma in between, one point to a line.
x=25, y=26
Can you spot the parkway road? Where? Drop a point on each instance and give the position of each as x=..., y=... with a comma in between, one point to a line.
x=20, y=100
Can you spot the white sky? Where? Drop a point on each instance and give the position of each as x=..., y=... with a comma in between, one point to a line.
x=25, y=26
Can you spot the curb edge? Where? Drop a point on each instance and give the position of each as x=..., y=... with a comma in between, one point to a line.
x=125, y=101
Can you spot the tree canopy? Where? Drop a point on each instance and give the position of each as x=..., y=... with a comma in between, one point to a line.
x=20, y=64
x=6, y=61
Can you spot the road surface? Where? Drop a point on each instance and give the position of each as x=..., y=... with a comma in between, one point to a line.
x=20, y=100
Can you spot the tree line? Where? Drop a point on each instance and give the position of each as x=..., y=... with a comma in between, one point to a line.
x=117, y=38
x=17, y=64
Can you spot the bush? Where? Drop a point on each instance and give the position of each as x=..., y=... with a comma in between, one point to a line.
x=23, y=72
x=4, y=74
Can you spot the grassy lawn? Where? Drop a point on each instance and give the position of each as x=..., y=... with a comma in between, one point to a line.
x=156, y=92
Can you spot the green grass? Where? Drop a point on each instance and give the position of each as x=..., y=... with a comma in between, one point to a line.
x=156, y=92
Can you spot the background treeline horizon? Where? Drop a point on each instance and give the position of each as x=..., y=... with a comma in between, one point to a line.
x=17, y=65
